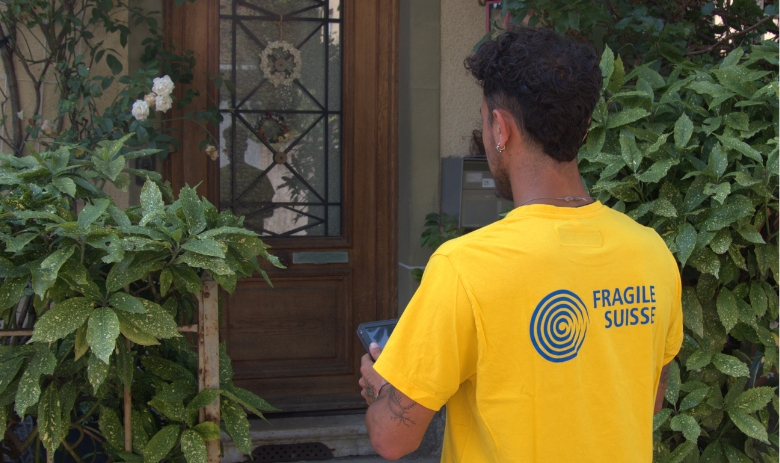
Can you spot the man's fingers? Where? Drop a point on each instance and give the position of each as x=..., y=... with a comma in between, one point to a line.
x=375, y=350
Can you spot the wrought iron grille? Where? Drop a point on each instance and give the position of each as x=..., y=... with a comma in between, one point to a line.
x=280, y=143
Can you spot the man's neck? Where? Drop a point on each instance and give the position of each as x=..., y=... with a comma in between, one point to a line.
x=546, y=181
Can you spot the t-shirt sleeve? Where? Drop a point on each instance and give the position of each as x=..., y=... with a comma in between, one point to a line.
x=434, y=348
x=674, y=334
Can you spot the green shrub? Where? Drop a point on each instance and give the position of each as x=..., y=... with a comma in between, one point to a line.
x=107, y=289
x=694, y=155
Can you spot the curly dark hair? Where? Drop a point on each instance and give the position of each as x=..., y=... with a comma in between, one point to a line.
x=548, y=83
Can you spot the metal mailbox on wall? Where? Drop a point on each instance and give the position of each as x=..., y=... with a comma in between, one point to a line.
x=468, y=192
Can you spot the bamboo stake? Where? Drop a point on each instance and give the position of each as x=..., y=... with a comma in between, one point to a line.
x=128, y=418
x=208, y=355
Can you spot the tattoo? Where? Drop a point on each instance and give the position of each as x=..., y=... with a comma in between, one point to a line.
x=370, y=391
x=397, y=409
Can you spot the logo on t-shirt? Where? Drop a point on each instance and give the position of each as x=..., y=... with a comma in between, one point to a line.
x=558, y=326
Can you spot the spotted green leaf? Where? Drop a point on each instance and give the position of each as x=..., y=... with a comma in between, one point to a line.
x=213, y=264
x=236, y=424
x=162, y=442
x=65, y=185
x=737, y=207
x=208, y=431
x=44, y=276
x=625, y=117
x=683, y=129
x=730, y=365
x=753, y=399
x=155, y=321
x=740, y=146
x=687, y=425
x=167, y=369
x=166, y=278
x=727, y=309
x=749, y=425
x=111, y=428
x=102, y=331
x=705, y=261
x=97, y=371
x=193, y=447
x=133, y=333
x=133, y=267
x=193, y=210
x=12, y=291
x=758, y=299
x=693, y=398
x=721, y=242
x=207, y=247
x=140, y=437
x=686, y=241
x=126, y=302
x=91, y=212
x=204, y=397
x=50, y=418
x=62, y=319
x=698, y=360
x=735, y=456
x=673, y=383
x=151, y=199
x=9, y=368
x=18, y=242
x=661, y=417
x=80, y=346
x=656, y=172
x=28, y=392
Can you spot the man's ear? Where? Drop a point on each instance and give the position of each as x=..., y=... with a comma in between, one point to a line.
x=502, y=127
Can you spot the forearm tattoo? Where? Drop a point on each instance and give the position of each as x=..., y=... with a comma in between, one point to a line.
x=370, y=390
x=397, y=410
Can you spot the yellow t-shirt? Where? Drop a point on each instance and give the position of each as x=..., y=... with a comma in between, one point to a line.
x=545, y=334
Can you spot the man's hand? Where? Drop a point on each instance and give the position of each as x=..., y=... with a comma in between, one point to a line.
x=396, y=424
x=370, y=381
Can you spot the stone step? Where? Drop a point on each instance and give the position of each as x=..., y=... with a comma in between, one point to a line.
x=345, y=435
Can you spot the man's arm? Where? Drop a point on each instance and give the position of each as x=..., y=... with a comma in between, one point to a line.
x=396, y=424
x=659, y=397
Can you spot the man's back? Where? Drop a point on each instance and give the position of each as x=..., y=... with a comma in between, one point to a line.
x=545, y=334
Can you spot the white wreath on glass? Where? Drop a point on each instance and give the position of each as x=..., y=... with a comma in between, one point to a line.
x=268, y=65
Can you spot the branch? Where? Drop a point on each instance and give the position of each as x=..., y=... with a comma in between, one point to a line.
x=725, y=39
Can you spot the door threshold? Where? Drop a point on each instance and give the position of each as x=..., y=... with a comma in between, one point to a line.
x=344, y=435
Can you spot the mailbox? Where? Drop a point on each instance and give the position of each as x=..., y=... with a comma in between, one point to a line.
x=468, y=192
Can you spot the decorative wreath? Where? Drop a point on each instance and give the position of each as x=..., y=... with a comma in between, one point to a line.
x=281, y=63
x=272, y=128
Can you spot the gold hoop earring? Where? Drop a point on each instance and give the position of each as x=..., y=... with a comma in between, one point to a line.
x=499, y=148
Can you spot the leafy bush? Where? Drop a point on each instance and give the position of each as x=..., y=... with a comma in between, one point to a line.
x=694, y=155
x=107, y=289
x=653, y=30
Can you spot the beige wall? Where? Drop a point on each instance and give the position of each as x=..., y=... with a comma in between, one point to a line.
x=418, y=131
x=462, y=26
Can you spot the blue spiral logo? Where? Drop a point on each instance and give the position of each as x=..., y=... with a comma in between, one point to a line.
x=558, y=326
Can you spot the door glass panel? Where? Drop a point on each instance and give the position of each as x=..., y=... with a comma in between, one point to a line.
x=280, y=139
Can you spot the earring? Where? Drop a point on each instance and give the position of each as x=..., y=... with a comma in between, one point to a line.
x=499, y=148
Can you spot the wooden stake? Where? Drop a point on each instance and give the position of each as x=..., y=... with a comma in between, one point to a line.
x=208, y=355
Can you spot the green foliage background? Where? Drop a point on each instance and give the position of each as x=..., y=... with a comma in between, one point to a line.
x=694, y=155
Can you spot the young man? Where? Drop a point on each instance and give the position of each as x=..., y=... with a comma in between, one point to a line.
x=546, y=333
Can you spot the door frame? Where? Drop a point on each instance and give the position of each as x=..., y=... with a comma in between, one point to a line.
x=370, y=126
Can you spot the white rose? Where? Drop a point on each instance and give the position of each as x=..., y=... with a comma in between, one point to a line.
x=211, y=151
x=140, y=110
x=48, y=127
x=149, y=99
x=162, y=86
x=163, y=103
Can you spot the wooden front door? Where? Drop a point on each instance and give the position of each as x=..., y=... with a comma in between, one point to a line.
x=308, y=155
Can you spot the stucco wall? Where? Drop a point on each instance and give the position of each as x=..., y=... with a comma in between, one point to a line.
x=462, y=26
x=418, y=133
